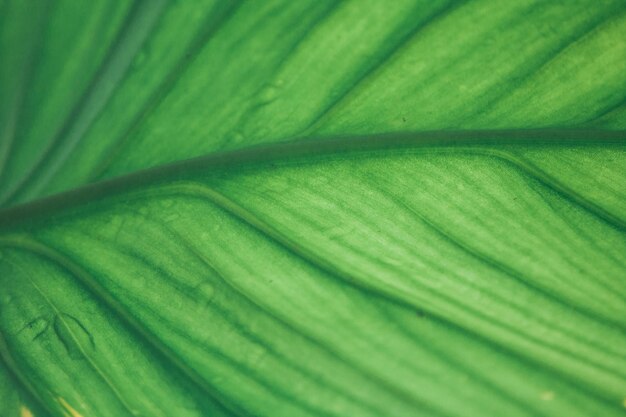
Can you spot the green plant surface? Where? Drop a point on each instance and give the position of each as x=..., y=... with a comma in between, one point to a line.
x=183, y=79
x=393, y=209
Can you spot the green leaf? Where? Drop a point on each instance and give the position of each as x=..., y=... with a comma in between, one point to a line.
x=432, y=220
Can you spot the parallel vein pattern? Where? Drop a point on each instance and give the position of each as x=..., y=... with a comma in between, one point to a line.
x=362, y=283
x=420, y=231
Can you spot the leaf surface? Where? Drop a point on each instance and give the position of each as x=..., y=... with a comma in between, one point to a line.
x=381, y=280
x=403, y=209
x=183, y=79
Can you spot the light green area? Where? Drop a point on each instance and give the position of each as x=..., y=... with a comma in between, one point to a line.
x=435, y=224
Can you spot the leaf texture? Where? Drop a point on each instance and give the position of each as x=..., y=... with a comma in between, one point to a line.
x=182, y=79
x=403, y=209
x=381, y=280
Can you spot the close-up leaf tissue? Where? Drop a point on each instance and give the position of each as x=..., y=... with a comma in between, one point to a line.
x=312, y=208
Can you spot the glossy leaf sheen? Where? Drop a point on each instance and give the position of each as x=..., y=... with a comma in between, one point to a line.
x=433, y=223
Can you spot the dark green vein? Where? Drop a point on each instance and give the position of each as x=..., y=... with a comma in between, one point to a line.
x=324, y=147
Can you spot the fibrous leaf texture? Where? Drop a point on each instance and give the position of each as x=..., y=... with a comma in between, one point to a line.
x=312, y=208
